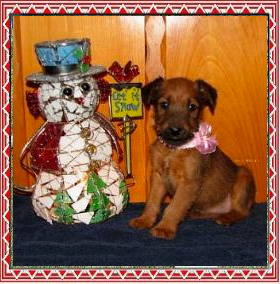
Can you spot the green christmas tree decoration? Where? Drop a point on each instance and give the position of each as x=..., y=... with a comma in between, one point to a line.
x=100, y=201
x=100, y=215
x=62, y=197
x=65, y=213
x=106, y=200
x=95, y=184
x=63, y=210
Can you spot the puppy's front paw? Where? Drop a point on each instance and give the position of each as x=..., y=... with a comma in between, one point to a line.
x=141, y=223
x=163, y=232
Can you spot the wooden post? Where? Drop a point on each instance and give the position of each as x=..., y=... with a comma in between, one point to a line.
x=155, y=67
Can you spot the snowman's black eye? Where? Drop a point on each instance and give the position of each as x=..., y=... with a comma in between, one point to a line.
x=68, y=92
x=85, y=87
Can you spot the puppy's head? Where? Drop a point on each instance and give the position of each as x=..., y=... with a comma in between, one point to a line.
x=178, y=104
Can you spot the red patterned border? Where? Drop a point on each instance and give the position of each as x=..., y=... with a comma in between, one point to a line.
x=145, y=7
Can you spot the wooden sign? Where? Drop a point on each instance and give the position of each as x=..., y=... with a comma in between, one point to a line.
x=126, y=100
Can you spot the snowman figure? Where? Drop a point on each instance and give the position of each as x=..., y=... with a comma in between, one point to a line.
x=77, y=180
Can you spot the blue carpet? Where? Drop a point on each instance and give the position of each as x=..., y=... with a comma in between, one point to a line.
x=113, y=243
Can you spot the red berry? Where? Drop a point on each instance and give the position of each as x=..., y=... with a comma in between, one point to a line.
x=86, y=59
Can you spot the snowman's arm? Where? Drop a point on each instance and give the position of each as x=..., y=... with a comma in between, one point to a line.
x=111, y=131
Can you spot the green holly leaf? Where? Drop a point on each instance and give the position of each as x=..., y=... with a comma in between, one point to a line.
x=79, y=53
x=84, y=67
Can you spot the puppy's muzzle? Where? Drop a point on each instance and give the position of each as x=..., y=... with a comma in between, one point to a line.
x=175, y=132
x=176, y=135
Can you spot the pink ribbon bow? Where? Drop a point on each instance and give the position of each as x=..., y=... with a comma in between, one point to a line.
x=203, y=141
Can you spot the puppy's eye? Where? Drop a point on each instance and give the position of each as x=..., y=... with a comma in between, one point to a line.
x=164, y=105
x=67, y=92
x=192, y=107
x=85, y=87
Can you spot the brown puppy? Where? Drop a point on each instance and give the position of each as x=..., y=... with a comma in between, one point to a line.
x=202, y=185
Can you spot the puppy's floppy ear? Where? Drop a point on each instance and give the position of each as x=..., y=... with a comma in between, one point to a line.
x=151, y=91
x=207, y=95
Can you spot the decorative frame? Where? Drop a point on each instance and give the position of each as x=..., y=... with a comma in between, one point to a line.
x=194, y=274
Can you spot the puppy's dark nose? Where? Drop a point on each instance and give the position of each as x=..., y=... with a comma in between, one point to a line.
x=175, y=131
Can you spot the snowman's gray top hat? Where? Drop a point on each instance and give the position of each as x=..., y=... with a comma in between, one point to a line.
x=64, y=60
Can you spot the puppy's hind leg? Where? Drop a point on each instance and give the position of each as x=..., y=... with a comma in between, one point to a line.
x=242, y=198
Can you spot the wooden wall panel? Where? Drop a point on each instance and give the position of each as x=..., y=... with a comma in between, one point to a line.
x=19, y=125
x=230, y=52
x=155, y=67
x=112, y=38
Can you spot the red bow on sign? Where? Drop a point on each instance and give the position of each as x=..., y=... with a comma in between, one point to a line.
x=123, y=75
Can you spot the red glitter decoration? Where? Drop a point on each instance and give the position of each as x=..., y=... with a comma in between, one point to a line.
x=115, y=67
x=123, y=75
x=105, y=89
x=45, y=147
x=33, y=102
